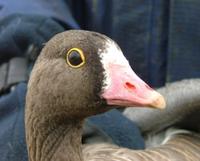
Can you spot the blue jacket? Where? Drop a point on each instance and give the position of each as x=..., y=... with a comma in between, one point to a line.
x=161, y=39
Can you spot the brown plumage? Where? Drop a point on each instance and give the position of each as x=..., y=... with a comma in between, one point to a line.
x=61, y=95
x=181, y=147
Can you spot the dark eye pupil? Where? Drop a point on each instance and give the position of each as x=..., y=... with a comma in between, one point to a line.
x=75, y=58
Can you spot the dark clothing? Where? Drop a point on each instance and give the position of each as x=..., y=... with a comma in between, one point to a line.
x=161, y=39
x=12, y=138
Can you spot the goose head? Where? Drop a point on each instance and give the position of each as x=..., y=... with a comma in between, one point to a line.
x=78, y=74
x=82, y=73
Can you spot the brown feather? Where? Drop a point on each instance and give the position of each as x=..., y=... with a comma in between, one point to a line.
x=59, y=98
x=181, y=147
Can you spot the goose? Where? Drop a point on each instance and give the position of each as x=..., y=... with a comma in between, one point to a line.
x=79, y=74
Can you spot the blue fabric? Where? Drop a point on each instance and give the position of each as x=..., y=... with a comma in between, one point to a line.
x=21, y=31
x=12, y=138
x=184, y=40
x=160, y=38
x=55, y=9
x=122, y=131
x=141, y=29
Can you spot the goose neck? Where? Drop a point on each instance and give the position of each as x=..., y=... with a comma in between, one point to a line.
x=50, y=141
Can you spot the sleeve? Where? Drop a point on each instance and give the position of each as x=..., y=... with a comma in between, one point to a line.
x=25, y=23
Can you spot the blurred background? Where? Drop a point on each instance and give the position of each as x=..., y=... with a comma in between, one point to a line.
x=161, y=39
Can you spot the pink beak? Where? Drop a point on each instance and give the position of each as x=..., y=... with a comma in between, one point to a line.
x=127, y=89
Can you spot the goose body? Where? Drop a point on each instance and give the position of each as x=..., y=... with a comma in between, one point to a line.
x=180, y=147
x=79, y=74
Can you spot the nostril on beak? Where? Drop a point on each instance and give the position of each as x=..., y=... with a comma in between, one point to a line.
x=129, y=86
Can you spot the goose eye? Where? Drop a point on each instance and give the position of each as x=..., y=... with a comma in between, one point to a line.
x=75, y=58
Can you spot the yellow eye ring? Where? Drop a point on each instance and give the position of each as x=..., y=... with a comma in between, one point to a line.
x=75, y=58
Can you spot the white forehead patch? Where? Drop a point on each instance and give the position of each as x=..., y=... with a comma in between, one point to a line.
x=111, y=54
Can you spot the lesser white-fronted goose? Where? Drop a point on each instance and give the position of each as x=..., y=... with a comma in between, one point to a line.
x=79, y=74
